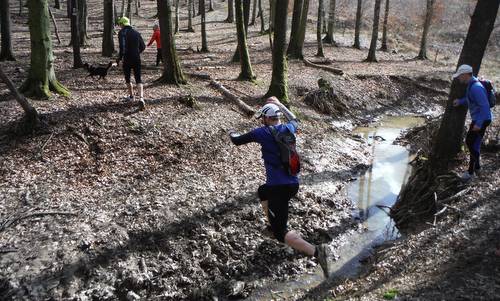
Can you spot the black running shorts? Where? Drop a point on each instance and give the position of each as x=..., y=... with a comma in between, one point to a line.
x=127, y=70
x=278, y=197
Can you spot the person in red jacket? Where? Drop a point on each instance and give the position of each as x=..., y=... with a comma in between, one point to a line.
x=156, y=38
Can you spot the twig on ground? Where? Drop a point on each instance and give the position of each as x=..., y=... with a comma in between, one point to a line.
x=326, y=68
x=27, y=214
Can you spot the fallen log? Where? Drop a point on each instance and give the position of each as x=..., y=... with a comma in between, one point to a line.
x=243, y=106
x=326, y=68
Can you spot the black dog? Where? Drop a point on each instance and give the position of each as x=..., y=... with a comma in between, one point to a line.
x=100, y=71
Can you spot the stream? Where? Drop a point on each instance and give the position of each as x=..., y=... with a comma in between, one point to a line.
x=372, y=193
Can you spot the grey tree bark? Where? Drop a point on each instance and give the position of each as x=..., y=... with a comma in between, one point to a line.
x=331, y=24
x=357, y=28
x=417, y=199
x=373, y=45
x=422, y=55
x=384, y=32
x=319, y=29
x=6, y=53
x=108, y=46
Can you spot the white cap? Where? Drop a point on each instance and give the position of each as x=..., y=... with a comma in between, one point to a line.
x=463, y=69
x=269, y=110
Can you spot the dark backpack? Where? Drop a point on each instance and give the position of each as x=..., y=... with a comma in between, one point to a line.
x=290, y=159
x=490, y=91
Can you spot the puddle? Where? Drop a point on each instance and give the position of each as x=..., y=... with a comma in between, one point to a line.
x=378, y=186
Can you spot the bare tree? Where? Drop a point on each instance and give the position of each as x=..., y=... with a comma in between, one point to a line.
x=357, y=29
x=422, y=55
x=204, y=44
x=384, y=31
x=108, y=46
x=297, y=34
x=244, y=58
x=373, y=45
x=331, y=24
x=318, y=29
x=417, y=199
x=75, y=34
x=172, y=71
x=6, y=53
x=279, y=84
x=41, y=76
x=230, y=11
x=190, y=16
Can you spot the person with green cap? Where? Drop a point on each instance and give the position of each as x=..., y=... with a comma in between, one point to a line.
x=131, y=47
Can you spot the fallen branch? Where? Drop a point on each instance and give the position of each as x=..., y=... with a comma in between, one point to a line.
x=13, y=220
x=326, y=68
x=7, y=250
x=243, y=106
x=40, y=153
x=199, y=75
x=456, y=196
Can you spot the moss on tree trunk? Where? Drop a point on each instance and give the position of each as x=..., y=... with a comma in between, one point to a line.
x=246, y=67
x=41, y=77
x=172, y=71
x=279, y=83
x=298, y=33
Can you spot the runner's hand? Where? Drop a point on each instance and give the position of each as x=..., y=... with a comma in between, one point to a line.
x=456, y=103
x=475, y=128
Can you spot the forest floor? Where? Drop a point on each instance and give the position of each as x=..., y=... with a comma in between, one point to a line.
x=159, y=204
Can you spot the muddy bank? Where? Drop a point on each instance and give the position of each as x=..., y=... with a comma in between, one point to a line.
x=451, y=258
x=165, y=207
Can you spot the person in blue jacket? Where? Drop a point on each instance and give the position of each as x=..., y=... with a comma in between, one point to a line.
x=280, y=186
x=476, y=98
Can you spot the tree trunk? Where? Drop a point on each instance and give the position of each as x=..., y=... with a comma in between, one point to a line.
x=293, y=51
x=193, y=7
x=41, y=77
x=210, y=5
x=122, y=11
x=176, y=30
x=331, y=24
x=230, y=11
x=384, y=32
x=246, y=20
x=279, y=85
x=323, y=20
x=200, y=5
x=129, y=10
x=172, y=71
x=373, y=45
x=298, y=34
x=55, y=26
x=115, y=13
x=419, y=193
x=75, y=34
x=83, y=19
x=136, y=4
x=190, y=16
x=204, y=44
x=20, y=7
x=30, y=111
x=357, y=29
x=6, y=53
x=272, y=14
x=108, y=46
x=262, y=21
x=254, y=13
x=246, y=67
x=57, y=4
x=318, y=29
x=422, y=55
